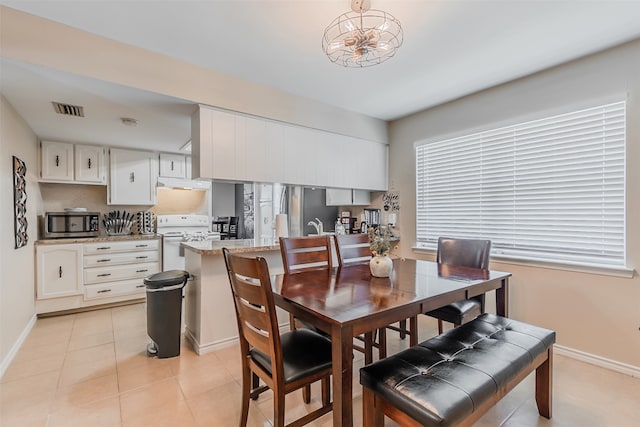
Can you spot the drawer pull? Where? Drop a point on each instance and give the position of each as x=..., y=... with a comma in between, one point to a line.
x=103, y=260
x=142, y=257
x=141, y=246
x=104, y=275
x=103, y=248
x=142, y=271
x=103, y=291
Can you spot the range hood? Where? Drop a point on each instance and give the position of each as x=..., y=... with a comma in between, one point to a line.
x=183, y=184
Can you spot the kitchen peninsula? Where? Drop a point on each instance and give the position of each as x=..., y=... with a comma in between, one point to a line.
x=209, y=313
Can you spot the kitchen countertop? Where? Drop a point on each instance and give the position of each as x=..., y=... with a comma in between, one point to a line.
x=214, y=247
x=103, y=238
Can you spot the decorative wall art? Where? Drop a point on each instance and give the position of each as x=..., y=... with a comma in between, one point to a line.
x=20, y=201
x=391, y=201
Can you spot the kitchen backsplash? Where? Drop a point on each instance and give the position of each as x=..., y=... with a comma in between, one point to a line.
x=56, y=197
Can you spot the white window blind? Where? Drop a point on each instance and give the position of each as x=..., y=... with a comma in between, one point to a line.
x=551, y=189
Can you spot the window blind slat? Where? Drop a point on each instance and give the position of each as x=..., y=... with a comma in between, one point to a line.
x=552, y=188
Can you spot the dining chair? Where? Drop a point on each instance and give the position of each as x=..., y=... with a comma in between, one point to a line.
x=286, y=362
x=218, y=223
x=227, y=226
x=354, y=249
x=300, y=254
x=466, y=253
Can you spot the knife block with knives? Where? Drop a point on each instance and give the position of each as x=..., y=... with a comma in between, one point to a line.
x=118, y=223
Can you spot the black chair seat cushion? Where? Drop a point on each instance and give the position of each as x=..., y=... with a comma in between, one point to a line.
x=304, y=352
x=441, y=381
x=311, y=327
x=458, y=312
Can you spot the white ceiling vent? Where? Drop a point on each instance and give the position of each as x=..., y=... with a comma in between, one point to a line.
x=68, y=109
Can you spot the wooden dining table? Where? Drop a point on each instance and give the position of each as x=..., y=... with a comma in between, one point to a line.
x=347, y=302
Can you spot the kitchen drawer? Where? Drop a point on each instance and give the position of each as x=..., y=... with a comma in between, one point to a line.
x=121, y=246
x=119, y=272
x=109, y=259
x=114, y=289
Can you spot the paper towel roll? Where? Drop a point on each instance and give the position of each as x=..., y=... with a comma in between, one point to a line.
x=282, y=228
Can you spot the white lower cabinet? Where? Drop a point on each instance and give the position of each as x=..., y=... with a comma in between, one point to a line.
x=119, y=267
x=59, y=272
x=108, y=290
x=79, y=275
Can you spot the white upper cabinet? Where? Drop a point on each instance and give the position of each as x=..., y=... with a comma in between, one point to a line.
x=274, y=162
x=173, y=165
x=232, y=146
x=187, y=170
x=133, y=177
x=90, y=164
x=338, y=196
x=213, y=142
x=56, y=161
x=347, y=197
x=72, y=163
x=377, y=167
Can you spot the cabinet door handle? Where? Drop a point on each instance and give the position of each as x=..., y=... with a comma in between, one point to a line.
x=171, y=164
x=60, y=271
x=103, y=248
x=104, y=275
x=132, y=177
x=142, y=271
x=141, y=246
x=57, y=160
x=103, y=260
x=89, y=163
x=142, y=257
x=102, y=291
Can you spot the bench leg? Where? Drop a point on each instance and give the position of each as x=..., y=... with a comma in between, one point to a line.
x=413, y=331
x=544, y=385
x=372, y=415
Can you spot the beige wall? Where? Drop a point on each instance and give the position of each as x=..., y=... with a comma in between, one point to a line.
x=17, y=266
x=596, y=314
x=38, y=41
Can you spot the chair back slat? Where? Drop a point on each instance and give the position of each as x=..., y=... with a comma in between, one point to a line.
x=254, y=305
x=353, y=248
x=306, y=253
x=253, y=315
x=464, y=252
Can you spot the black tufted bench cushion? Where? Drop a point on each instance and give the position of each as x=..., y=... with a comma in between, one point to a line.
x=454, y=378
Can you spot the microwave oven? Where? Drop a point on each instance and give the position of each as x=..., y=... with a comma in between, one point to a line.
x=71, y=224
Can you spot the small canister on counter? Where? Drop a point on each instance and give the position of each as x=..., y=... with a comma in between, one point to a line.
x=145, y=220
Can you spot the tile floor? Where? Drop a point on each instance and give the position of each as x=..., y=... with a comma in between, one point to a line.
x=90, y=369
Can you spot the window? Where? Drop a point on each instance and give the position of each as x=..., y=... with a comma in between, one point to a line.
x=548, y=190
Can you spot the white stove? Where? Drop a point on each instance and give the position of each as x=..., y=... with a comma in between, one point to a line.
x=181, y=228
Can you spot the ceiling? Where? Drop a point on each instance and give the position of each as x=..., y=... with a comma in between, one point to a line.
x=450, y=49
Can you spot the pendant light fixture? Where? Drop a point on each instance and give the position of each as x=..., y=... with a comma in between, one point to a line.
x=362, y=37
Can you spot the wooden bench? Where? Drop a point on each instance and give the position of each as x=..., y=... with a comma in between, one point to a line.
x=454, y=378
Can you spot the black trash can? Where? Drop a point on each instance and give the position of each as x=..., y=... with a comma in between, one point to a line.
x=164, y=312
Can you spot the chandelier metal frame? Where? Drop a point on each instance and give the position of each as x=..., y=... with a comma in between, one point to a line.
x=362, y=37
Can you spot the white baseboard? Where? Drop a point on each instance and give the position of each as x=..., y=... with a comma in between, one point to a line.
x=602, y=362
x=201, y=349
x=219, y=345
x=16, y=346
